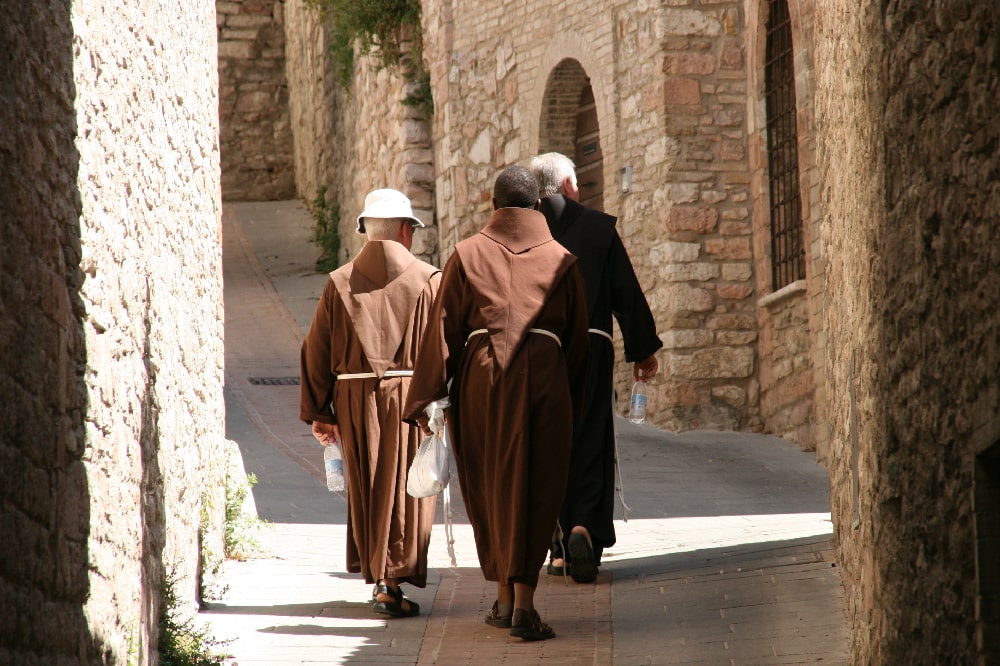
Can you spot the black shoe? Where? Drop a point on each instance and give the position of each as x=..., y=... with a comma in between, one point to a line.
x=584, y=565
x=495, y=619
x=527, y=625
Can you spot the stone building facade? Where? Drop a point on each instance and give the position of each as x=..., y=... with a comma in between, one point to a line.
x=809, y=194
x=256, y=123
x=110, y=324
x=669, y=87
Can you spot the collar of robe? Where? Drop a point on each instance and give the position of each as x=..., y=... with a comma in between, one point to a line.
x=517, y=229
x=379, y=290
x=513, y=284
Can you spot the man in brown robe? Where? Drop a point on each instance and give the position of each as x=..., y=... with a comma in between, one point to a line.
x=356, y=364
x=509, y=328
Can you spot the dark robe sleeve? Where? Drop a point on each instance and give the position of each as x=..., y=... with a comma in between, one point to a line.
x=441, y=344
x=576, y=338
x=317, y=378
x=630, y=307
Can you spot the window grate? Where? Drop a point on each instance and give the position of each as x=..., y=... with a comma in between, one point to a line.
x=787, y=251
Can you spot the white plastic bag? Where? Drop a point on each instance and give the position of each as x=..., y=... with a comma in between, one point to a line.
x=430, y=470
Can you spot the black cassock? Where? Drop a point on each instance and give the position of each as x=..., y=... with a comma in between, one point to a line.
x=612, y=290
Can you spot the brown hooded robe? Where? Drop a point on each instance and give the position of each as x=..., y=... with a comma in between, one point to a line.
x=514, y=392
x=370, y=319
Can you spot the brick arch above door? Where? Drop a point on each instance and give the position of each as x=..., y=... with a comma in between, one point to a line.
x=569, y=55
x=569, y=125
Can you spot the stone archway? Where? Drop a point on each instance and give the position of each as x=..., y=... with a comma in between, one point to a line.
x=569, y=124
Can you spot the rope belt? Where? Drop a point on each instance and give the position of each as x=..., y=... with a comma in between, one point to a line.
x=372, y=375
x=597, y=331
x=540, y=331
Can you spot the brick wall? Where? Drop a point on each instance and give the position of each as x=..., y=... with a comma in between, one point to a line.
x=256, y=134
x=111, y=322
x=786, y=371
x=907, y=147
x=670, y=87
x=670, y=90
x=790, y=324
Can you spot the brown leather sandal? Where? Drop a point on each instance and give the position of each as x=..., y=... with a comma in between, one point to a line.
x=527, y=625
x=394, y=608
x=495, y=619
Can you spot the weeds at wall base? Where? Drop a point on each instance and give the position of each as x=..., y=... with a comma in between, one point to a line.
x=182, y=642
x=326, y=230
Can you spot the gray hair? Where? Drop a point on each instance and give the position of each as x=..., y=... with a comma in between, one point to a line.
x=551, y=169
x=384, y=228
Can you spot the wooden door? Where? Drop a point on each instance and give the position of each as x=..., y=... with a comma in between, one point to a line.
x=589, y=156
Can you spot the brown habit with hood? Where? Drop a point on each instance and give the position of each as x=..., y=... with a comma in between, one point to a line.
x=514, y=392
x=370, y=319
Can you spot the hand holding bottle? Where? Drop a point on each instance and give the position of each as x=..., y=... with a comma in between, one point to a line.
x=637, y=404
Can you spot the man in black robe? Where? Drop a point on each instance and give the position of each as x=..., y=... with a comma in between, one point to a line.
x=587, y=515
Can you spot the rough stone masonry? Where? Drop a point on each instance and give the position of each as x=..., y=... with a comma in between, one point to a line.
x=112, y=430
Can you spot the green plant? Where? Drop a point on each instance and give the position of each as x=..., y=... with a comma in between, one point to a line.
x=419, y=95
x=379, y=27
x=326, y=230
x=182, y=641
x=242, y=529
x=210, y=566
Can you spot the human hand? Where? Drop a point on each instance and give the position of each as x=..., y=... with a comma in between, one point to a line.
x=425, y=427
x=645, y=370
x=326, y=433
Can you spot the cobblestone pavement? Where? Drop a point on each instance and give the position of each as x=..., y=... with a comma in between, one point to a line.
x=726, y=556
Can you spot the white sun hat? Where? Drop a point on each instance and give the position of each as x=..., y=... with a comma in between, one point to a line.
x=385, y=204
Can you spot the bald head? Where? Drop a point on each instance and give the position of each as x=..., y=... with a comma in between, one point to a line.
x=515, y=187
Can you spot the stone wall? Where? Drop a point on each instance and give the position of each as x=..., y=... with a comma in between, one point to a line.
x=670, y=88
x=256, y=135
x=790, y=324
x=111, y=294
x=908, y=139
x=313, y=99
x=383, y=144
x=44, y=505
x=786, y=371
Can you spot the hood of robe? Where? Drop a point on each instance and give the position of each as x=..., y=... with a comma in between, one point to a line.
x=380, y=289
x=514, y=274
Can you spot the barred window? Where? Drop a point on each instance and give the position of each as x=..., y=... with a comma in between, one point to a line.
x=787, y=252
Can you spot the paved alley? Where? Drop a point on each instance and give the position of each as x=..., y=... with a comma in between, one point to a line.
x=726, y=556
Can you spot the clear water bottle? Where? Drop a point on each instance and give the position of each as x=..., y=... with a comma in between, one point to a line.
x=637, y=405
x=334, y=465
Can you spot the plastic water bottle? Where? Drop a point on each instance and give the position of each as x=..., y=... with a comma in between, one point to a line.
x=334, y=465
x=637, y=405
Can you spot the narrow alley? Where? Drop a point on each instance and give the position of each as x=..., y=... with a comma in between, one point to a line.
x=726, y=557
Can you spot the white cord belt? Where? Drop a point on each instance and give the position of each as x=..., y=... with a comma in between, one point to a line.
x=372, y=375
x=597, y=331
x=540, y=331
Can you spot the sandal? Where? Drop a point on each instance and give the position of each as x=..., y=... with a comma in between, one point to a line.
x=394, y=608
x=527, y=625
x=495, y=619
x=558, y=569
x=584, y=565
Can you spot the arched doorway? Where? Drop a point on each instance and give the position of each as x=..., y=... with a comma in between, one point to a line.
x=569, y=125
